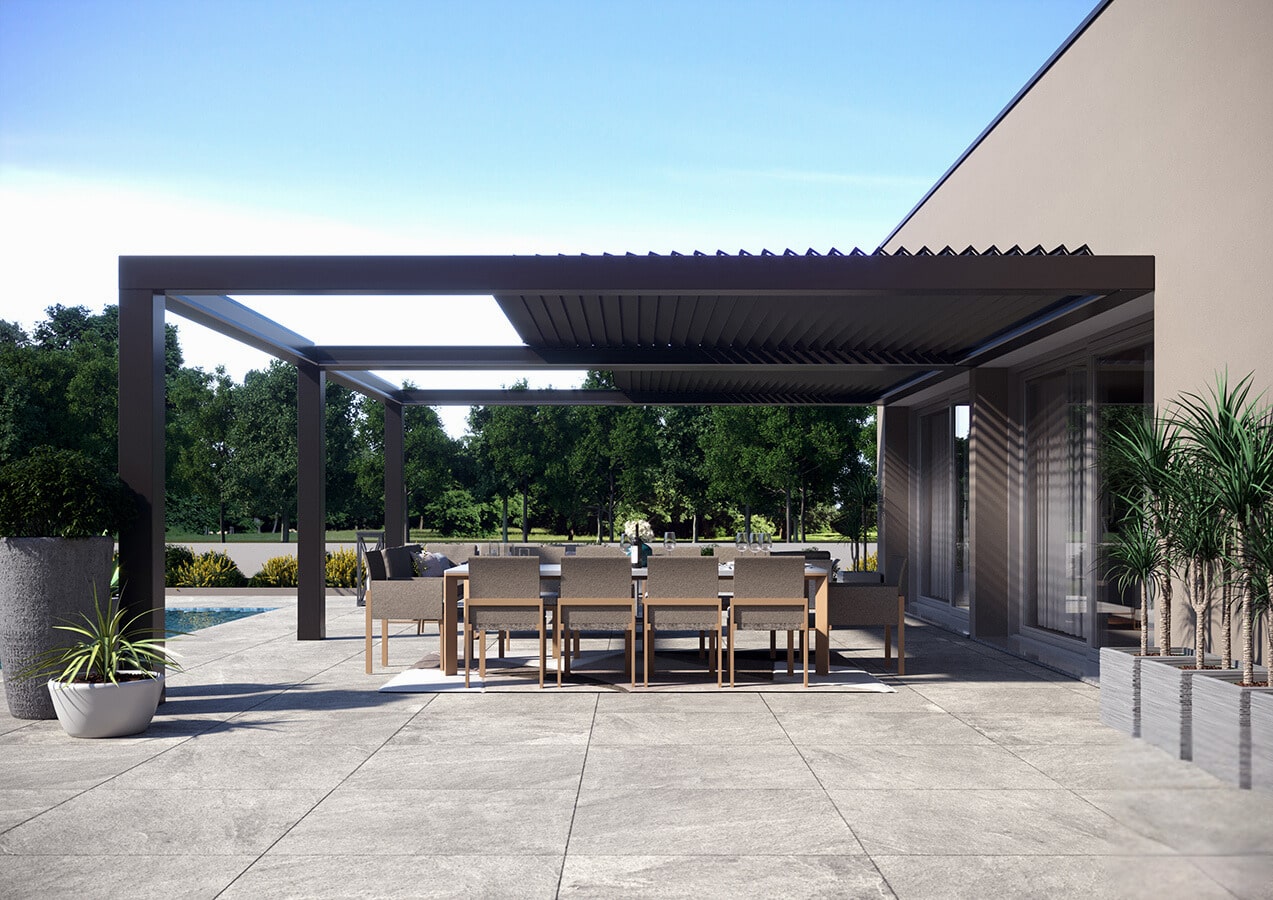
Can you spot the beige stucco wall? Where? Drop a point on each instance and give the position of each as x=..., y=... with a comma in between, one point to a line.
x=1152, y=134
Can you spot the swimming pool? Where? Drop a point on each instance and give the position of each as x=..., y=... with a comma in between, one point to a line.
x=192, y=618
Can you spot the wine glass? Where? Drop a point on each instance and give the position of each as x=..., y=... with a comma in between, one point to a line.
x=766, y=541
x=754, y=539
x=740, y=542
x=624, y=544
x=669, y=541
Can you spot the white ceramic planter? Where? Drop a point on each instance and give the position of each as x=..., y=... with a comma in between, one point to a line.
x=1222, y=725
x=106, y=710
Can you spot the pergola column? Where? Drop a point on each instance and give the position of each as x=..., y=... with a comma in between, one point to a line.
x=141, y=449
x=893, y=465
x=993, y=438
x=395, y=478
x=311, y=502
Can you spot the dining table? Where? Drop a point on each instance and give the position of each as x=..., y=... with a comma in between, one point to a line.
x=457, y=576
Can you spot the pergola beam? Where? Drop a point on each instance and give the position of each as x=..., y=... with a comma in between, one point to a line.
x=621, y=359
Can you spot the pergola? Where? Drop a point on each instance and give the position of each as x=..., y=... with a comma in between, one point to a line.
x=696, y=329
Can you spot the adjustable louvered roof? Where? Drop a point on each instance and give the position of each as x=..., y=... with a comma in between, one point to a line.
x=809, y=328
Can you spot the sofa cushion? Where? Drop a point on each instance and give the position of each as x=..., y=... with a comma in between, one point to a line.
x=375, y=565
x=397, y=562
x=432, y=565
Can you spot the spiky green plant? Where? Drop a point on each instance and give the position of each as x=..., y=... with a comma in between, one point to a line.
x=108, y=645
x=1139, y=455
x=1229, y=430
x=1135, y=558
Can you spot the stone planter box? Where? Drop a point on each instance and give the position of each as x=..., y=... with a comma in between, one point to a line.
x=1222, y=725
x=1120, y=688
x=1261, y=710
x=1166, y=703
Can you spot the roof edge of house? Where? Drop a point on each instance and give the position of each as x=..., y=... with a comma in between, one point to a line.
x=1017, y=98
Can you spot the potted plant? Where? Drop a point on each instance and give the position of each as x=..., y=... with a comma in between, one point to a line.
x=58, y=510
x=107, y=683
x=1138, y=456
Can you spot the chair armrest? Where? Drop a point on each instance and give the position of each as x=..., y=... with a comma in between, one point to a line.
x=406, y=598
x=862, y=605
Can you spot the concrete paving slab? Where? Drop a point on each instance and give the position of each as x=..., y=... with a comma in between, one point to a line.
x=460, y=766
x=721, y=877
x=922, y=766
x=192, y=876
x=1045, y=877
x=839, y=727
x=697, y=766
x=1195, y=822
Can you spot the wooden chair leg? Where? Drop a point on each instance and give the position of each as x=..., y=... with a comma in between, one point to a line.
x=645, y=648
x=901, y=640
x=542, y=650
x=501, y=643
x=384, y=642
x=718, y=658
x=367, y=626
x=481, y=657
x=733, y=639
x=702, y=639
x=468, y=648
x=791, y=651
x=557, y=646
x=804, y=644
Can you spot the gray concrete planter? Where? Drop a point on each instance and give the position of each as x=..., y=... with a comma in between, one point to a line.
x=1261, y=709
x=1222, y=725
x=44, y=581
x=1120, y=688
x=1166, y=703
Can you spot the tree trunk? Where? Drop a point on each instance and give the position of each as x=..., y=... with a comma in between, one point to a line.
x=1164, y=618
x=284, y=532
x=221, y=520
x=505, y=520
x=786, y=533
x=694, y=526
x=1226, y=618
x=525, y=523
x=1201, y=594
x=1144, y=618
x=1248, y=630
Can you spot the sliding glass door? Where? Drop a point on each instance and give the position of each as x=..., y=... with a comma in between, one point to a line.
x=944, y=493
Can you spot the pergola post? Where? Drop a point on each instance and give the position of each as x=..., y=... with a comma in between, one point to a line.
x=395, y=480
x=141, y=449
x=993, y=440
x=311, y=503
x=893, y=468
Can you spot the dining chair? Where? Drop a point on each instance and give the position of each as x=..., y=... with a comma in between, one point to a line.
x=769, y=595
x=503, y=595
x=397, y=598
x=682, y=594
x=596, y=595
x=872, y=606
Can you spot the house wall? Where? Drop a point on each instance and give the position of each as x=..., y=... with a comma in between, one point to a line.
x=1152, y=133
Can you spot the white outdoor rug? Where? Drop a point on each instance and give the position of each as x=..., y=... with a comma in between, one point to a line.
x=603, y=671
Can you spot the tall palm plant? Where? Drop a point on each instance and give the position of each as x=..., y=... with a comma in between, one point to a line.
x=1136, y=559
x=1196, y=541
x=1230, y=433
x=1139, y=455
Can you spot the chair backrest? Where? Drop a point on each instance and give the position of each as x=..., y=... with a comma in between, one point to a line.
x=596, y=577
x=603, y=550
x=504, y=578
x=901, y=579
x=375, y=565
x=764, y=577
x=690, y=577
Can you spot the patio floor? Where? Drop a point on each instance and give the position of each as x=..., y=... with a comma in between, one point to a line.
x=276, y=769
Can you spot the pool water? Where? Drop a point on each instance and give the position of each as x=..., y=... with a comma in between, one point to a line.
x=195, y=617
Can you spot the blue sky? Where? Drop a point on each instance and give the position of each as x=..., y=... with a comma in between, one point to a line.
x=495, y=127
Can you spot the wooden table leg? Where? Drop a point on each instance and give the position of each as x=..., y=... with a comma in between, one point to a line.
x=821, y=619
x=450, y=622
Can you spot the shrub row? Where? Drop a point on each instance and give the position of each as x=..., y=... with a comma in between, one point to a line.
x=215, y=569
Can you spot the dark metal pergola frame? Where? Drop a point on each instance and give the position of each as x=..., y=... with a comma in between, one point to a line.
x=682, y=329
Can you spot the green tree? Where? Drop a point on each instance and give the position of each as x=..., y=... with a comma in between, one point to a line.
x=201, y=410
x=264, y=440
